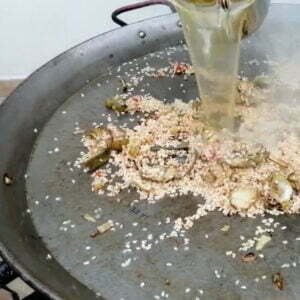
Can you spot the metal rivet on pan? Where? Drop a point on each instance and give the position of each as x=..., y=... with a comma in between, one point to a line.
x=7, y=180
x=179, y=24
x=142, y=34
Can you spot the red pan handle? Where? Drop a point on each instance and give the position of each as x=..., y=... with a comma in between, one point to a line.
x=124, y=9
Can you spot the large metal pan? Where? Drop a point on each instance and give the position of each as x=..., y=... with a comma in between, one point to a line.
x=71, y=88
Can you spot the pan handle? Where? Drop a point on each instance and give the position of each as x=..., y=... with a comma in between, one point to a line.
x=124, y=9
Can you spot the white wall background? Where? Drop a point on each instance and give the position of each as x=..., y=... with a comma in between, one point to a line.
x=34, y=31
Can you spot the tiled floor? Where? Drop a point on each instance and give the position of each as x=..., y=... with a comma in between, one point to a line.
x=4, y=295
x=17, y=285
x=6, y=87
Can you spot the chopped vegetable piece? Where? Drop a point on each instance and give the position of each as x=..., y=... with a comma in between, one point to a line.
x=105, y=227
x=116, y=104
x=97, y=161
x=278, y=280
x=102, y=229
x=89, y=218
x=225, y=228
x=262, y=242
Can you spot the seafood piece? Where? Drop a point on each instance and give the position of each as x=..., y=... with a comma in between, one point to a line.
x=167, y=162
x=281, y=190
x=243, y=155
x=243, y=198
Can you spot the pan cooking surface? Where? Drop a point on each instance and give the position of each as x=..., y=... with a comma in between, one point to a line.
x=59, y=194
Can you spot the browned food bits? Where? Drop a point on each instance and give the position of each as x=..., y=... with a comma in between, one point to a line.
x=249, y=257
x=7, y=180
x=278, y=281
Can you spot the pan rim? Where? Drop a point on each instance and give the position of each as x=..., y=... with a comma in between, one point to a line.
x=9, y=254
x=6, y=252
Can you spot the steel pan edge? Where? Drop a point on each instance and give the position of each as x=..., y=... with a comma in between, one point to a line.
x=66, y=74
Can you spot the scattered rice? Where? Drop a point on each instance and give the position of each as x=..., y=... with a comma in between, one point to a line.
x=205, y=168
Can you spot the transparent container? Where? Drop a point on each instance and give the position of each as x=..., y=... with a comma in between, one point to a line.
x=213, y=34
